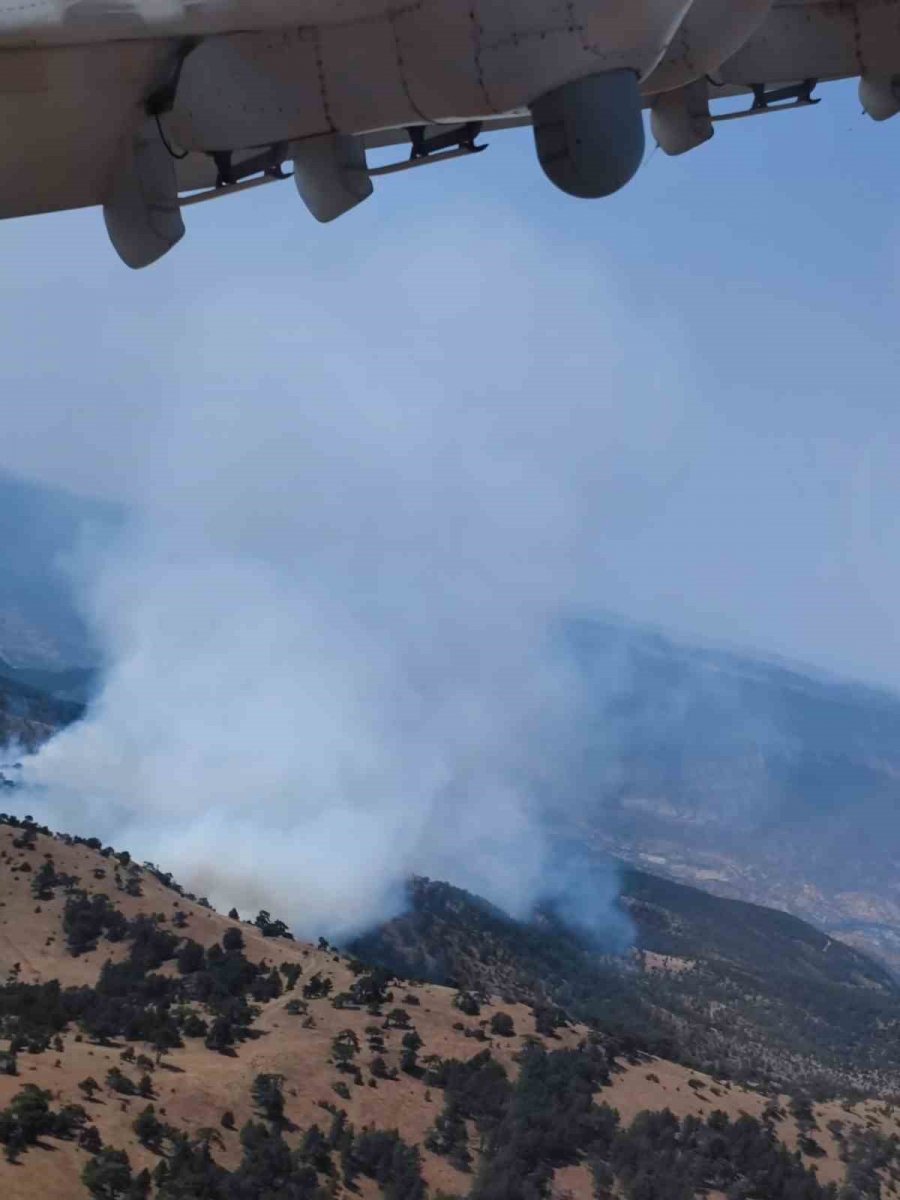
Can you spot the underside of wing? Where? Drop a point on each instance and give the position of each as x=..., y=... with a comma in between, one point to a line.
x=139, y=105
x=71, y=22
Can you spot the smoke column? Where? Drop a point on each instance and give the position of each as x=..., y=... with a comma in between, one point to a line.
x=329, y=628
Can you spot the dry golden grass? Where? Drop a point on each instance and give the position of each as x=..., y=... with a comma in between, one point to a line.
x=193, y=1086
x=659, y=1084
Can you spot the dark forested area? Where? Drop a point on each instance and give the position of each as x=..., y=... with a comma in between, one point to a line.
x=793, y=1006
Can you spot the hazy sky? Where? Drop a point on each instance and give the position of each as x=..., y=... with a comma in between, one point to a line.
x=729, y=324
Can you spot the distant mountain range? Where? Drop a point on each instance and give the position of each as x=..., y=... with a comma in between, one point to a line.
x=42, y=531
x=30, y=714
x=749, y=778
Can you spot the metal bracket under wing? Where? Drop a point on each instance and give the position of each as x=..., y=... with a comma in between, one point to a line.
x=773, y=100
x=330, y=172
x=458, y=142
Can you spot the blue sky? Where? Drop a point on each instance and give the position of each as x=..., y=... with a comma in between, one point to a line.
x=729, y=324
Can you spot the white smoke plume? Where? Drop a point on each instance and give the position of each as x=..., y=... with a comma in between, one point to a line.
x=329, y=632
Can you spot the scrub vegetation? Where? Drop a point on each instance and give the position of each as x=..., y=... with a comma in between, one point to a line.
x=151, y=1048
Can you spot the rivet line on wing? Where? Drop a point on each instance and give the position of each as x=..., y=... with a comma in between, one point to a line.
x=857, y=37
x=477, y=49
x=316, y=35
x=394, y=16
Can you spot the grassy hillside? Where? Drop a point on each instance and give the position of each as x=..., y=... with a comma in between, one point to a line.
x=150, y=1047
x=727, y=986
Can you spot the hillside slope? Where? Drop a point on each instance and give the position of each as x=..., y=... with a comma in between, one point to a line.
x=280, y=1069
x=728, y=986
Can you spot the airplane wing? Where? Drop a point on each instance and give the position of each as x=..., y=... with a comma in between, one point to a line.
x=149, y=106
x=73, y=22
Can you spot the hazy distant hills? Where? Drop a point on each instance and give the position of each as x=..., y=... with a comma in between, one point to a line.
x=748, y=778
x=29, y=715
x=42, y=531
x=73, y=684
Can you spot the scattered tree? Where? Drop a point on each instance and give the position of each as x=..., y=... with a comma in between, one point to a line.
x=502, y=1025
x=268, y=1096
x=107, y=1176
